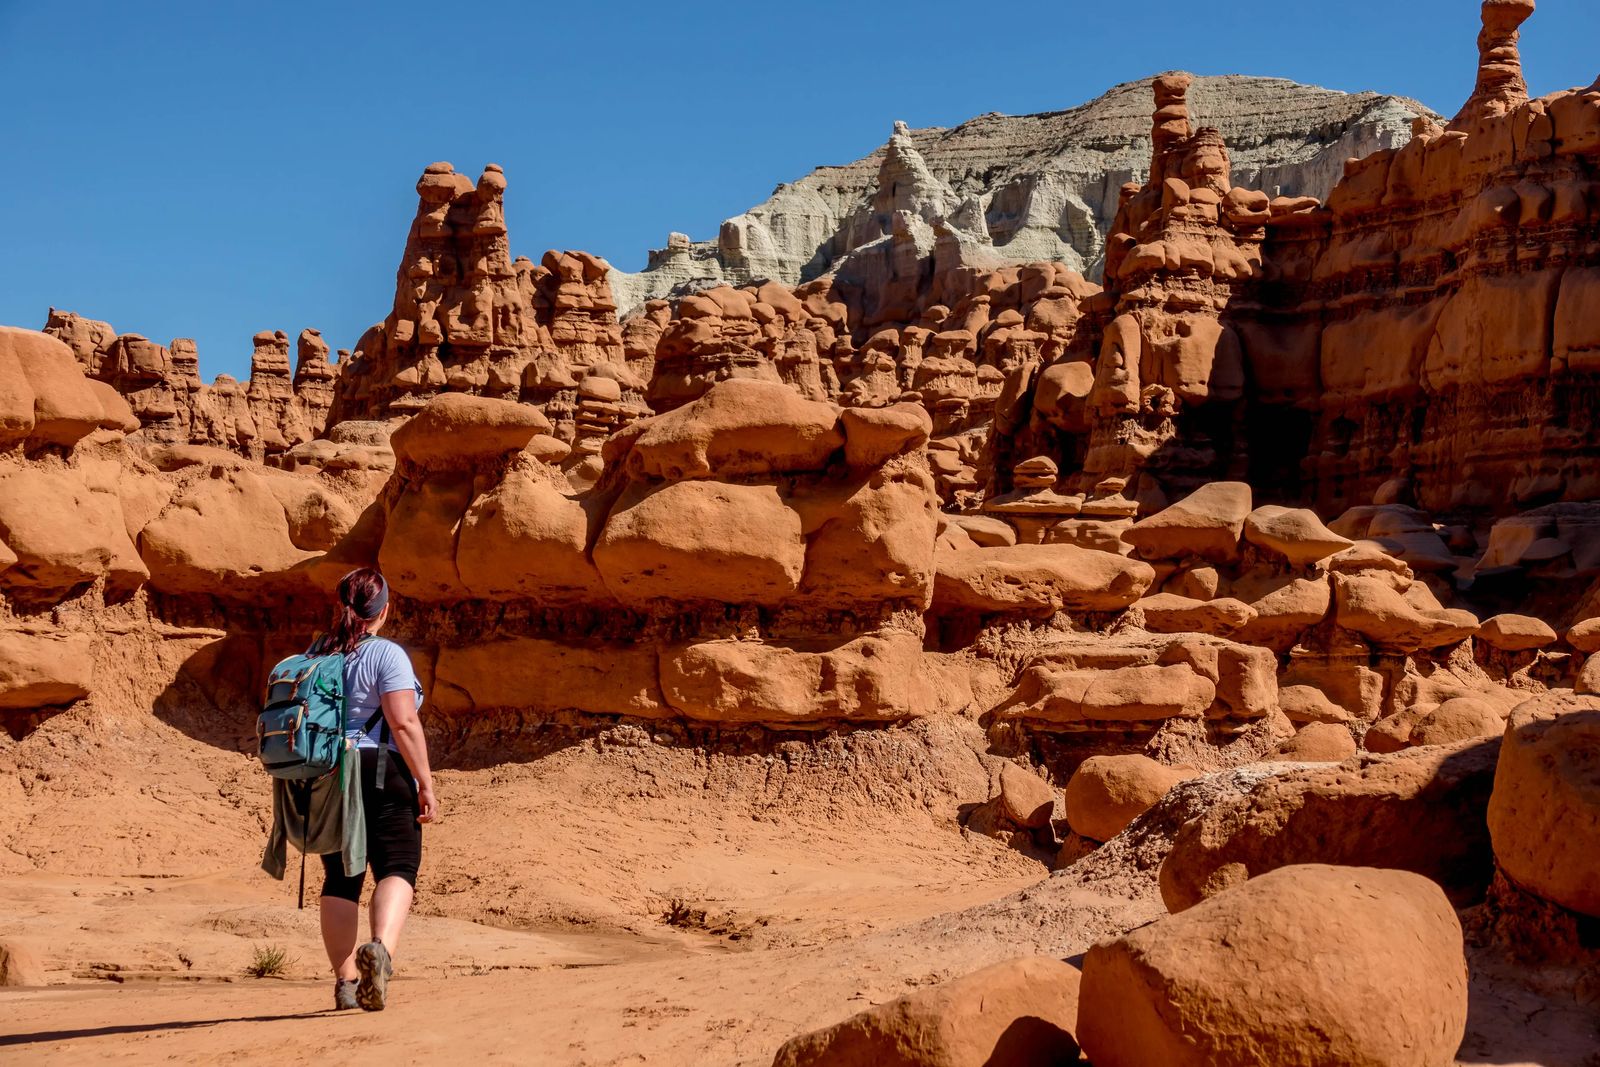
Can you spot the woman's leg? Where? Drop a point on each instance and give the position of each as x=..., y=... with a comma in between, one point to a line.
x=341, y=922
x=341, y=915
x=391, y=903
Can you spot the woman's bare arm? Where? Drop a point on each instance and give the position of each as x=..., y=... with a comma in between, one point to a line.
x=400, y=709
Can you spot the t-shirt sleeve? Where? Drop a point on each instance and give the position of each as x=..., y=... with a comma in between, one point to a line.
x=394, y=670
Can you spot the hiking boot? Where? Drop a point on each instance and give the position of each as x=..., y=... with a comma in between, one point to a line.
x=372, y=960
x=344, y=994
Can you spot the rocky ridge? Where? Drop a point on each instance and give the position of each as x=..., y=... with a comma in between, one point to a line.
x=1027, y=187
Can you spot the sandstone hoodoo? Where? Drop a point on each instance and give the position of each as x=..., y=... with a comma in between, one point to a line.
x=1193, y=492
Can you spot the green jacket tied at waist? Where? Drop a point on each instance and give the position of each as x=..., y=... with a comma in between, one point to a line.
x=337, y=820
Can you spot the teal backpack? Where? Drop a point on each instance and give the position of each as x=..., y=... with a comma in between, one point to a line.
x=300, y=731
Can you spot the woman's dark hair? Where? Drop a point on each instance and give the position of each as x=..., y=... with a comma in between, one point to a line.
x=363, y=594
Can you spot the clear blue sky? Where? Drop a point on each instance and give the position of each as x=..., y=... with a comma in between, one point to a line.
x=213, y=169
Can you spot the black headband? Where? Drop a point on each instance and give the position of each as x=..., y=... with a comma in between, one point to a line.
x=367, y=610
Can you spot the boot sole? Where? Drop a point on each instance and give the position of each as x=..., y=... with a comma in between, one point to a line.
x=372, y=961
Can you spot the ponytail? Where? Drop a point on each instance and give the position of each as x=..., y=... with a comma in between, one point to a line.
x=363, y=594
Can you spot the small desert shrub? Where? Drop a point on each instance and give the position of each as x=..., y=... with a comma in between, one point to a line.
x=269, y=961
x=681, y=915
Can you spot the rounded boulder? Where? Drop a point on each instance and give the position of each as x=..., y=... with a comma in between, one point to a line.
x=1304, y=966
x=1106, y=793
x=1544, y=813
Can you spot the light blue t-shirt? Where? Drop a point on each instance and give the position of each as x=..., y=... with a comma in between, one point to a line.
x=376, y=667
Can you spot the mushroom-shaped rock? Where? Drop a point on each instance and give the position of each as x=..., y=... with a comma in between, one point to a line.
x=1012, y=1014
x=1168, y=613
x=1585, y=636
x=1419, y=810
x=457, y=429
x=1516, y=633
x=872, y=435
x=1305, y=966
x=1294, y=533
x=1368, y=557
x=739, y=427
x=1319, y=742
x=1455, y=720
x=1544, y=816
x=1374, y=609
x=1106, y=793
x=1206, y=523
x=1037, y=579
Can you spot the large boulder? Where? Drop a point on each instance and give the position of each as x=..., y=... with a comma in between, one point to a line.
x=1544, y=816
x=1293, y=533
x=1516, y=633
x=1207, y=523
x=873, y=435
x=1585, y=635
x=63, y=532
x=1019, y=1013
x=526, y=538
x=872, y=678
x=1138, y=693
x=16, y=395
x=1106, y=793
x=39, y=670
x=1319, y=742
x=701, y=540
x=869, y=538
x=65, y=407
x=1169, y=613
x=1377, y=611
x=739, y=427
x=1306, y=966
x=458, y=429
x=1455, y=720
x=222, y=535
x=1037, y=580
x=1024, y=799
x=1284, y=611
x=1420, y=810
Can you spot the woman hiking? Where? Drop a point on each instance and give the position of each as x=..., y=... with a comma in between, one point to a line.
x=382, y=697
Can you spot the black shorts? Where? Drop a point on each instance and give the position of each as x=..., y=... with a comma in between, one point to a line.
x=394, y=837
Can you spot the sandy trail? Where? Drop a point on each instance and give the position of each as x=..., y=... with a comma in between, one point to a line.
x=805, y=880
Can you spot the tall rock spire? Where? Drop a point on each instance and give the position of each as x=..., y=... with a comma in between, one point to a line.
x=906, y=183
x=1170, y=123
x=1500, y=86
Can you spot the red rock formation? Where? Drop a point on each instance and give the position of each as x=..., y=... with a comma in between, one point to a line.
x=263, y=418
x=960, y=343
x=1423, y=330
x=469, y=319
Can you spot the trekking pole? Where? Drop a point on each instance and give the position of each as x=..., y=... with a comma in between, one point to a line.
x=305, y=841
